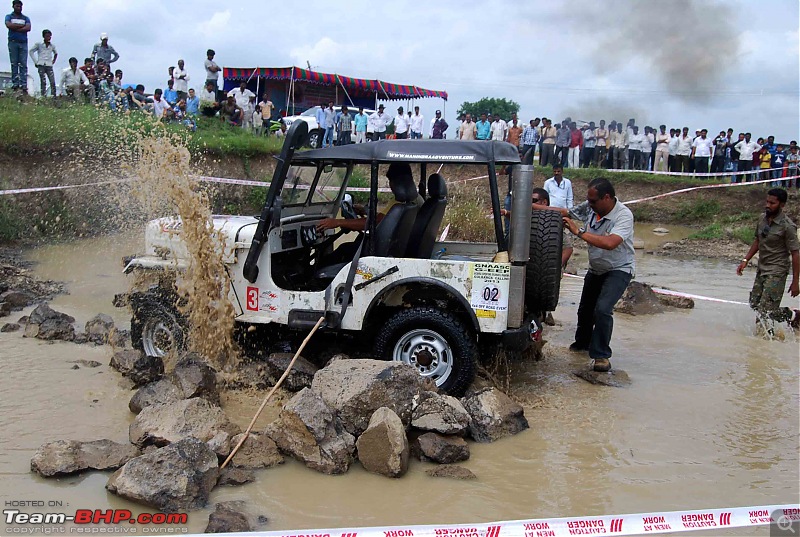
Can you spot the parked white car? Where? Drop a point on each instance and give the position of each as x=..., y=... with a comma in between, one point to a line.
x=316, y=135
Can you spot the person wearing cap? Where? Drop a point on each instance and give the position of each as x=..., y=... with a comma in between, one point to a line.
x=380, y=120
x=401, y=124
x=417, y=121
x=438, y=126
x=104, y=51
x=18, y=27
x=44, y=55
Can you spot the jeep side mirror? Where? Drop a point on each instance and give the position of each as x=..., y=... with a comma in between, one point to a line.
x=328, y=168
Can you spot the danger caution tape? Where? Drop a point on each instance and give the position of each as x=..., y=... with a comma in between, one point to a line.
x=635, y=524
x=703, y=187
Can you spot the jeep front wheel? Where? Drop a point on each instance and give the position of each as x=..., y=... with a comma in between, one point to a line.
x=157, y=329
x=435, y=343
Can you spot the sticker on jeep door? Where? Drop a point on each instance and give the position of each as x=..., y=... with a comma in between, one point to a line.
x=261, y=300
x=490, y=286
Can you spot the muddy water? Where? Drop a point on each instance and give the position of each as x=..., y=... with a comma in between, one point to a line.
x=711, y=419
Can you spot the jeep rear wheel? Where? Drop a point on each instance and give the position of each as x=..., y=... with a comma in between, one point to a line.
x=435, y=343
x=157, y=329
x=543, y=271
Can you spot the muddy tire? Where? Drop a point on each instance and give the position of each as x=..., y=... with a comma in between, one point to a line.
x=435, y=342
x=157, y=328
x=543, y=271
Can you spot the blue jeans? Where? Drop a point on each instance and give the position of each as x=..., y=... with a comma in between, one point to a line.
x=18, y=55
x=416, y=135
x=328, y=140
x=595, y=312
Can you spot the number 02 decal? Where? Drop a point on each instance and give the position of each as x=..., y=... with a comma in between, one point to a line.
x=252, y=298
x=491, y=294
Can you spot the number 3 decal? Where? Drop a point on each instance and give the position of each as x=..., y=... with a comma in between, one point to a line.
x=252, y=298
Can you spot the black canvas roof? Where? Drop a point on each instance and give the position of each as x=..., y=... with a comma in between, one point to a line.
x=386, y=151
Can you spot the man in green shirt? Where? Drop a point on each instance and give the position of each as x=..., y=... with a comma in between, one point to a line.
x=776, y=242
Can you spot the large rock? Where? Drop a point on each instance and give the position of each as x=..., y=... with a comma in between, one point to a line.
x=231, y=476
x=5, y=309
x=440, y=413
x=174, y=478
x=165, y=424
x=442, y=449
x=453, y=471
x=383, y=447
x=309, y=430
x=10, y=327
x=247, y=375
x=258, y=451
x=98, y=328
x=64, y=457
x=357, y=388
x=639, y=299
x=137, y=366
x=51, y=329
x=43, y=312
x=673, y=301
x=299, y=377
x=160, y=392
x=234, y=517
x=17, y=300
x=494, y=415
x=195, y=378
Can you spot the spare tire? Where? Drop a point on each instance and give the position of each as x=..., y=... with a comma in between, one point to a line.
x=543, y=271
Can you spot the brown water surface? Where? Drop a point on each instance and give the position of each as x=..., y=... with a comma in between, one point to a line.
x=710, y=420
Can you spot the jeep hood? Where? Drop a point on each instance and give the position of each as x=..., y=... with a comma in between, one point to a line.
x=164, y=236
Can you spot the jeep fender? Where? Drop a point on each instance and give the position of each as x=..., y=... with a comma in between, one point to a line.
x=421, y=291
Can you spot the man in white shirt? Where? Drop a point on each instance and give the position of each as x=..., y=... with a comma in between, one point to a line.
x=559, y=188
x=746, y=149
x=498, y=129
x=401, y=123
x=380, y=120
x=212, y=70
x=241, y=95
x=160, y=105
x=683, y=151
x=661, y=160
x=208, y=100
x=44, y=55
x=181, y=81
x=417, y=122
x=635, y=141
x=702, y=151
x=589, y=144
x=673, y=148
x=74, y=81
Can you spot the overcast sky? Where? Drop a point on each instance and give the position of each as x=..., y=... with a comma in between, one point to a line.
x=694, y=63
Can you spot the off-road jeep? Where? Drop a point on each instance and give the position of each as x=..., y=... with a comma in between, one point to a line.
x=413, y=299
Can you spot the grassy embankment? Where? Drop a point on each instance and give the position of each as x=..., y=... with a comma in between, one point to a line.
x=31, y=127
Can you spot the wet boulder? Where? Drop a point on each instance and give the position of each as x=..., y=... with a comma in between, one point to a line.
x=357, y=388
x=247, y=375
x=639, y=299
x=48, y=324
x=220, y=443
x=299, y=377
x=310, y=431
x=165, y=424
x=453, y=471
x=98, y=328
x=442, y=449
x=119, y=338
x=440, y=413
x=673, y=301
x=17, y=299
x=233, y=517
x=140, y=368
x=5, y=309
x=10, y=327
x=64, y=457
x=43, y=313
x=258, y=451
x=160, y=392
x=383, y=446
x=494, y=415
x=231, y=476
x=87, y=363
x=195, y=378
x=174, y=478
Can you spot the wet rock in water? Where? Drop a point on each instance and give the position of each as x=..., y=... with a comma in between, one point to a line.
x=672, y=301
x=616, y=378
x=660, y=230
x=121, y=300
x=119, y=338
x=76, y=366
x=232, y=476
x=383, y=446
x=64, y=457
x=43, y=312
x=221, y=444
x=440, y=413
x=172, y=422
x=234, y=517
x=442, y=449
x=5, y=309
x=51, y=330
x=452, y=471
x=357, y=388
x=87, y=363
x=310, y=431
x=23, y=320
x=99, y=327
x=195, y=378
x=160, y=392
x=638, y=244
x=16, y=300
x=299, y=377
x=247, y=375
x=494, y=415
x=639, y=299
x=174, y=478
x=10, y=327
x=258, y=451
x=80, y=338
x=137, y=366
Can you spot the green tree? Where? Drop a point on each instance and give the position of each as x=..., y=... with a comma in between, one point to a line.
x=492, y=105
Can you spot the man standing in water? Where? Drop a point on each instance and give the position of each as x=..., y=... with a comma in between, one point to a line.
x=776, y=242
